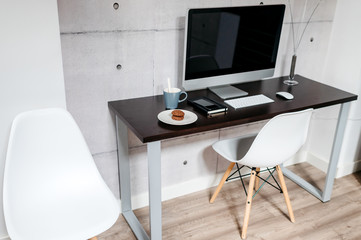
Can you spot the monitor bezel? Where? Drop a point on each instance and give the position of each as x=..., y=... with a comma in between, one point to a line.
x=227, y=79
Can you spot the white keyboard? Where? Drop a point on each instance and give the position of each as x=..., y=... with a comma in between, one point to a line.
x=243, y=102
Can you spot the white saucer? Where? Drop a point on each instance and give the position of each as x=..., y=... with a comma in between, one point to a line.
x=166, y=117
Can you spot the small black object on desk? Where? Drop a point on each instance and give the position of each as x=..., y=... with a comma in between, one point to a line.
x=208, y=106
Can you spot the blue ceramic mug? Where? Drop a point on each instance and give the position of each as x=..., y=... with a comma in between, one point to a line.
x=171, y=97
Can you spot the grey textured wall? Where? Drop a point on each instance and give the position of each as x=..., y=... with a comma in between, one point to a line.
x=146, y=37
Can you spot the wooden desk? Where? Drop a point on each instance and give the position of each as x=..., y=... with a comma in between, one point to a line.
x=140, y=116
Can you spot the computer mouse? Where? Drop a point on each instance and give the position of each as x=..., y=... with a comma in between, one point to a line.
x=285, y=95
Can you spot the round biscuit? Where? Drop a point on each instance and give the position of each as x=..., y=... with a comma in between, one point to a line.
x=177, y=118
x=178, y=113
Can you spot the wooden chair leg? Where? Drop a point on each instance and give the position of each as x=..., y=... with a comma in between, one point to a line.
x=248, y=204
x=224, y=178
x=256, y=184
x=285, y=193
x=93, y=238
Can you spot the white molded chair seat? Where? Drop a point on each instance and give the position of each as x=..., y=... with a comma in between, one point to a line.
x=234, y=149
x=52, y=187
x=277, y=142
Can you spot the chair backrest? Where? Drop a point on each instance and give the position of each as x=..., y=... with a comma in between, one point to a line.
x=52, y=188
x=279, y=139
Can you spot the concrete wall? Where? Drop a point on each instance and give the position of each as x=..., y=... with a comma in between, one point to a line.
x=146, y=37
x=31, y=74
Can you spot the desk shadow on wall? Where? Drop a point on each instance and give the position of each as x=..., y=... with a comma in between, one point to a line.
x=358, y=176
x=208, y=153
x=304, y=170
x=357, y=166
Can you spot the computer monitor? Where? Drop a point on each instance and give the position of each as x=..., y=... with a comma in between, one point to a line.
x=231, y=45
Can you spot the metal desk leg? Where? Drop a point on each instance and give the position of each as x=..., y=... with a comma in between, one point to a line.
x=336, y=149
x=124, y=181
x=155, y=195
x=325, y=195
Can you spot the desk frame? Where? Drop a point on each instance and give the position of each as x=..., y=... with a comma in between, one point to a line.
x=325, y=195
x=309, y=94
x=154, y=185
x=154, y=177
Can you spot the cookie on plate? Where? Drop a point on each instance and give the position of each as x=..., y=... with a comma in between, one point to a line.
x=177, y=115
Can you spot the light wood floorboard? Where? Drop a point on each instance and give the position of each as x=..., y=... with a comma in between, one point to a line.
x=193, y=217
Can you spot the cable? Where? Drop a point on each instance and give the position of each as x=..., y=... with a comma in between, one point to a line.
x=295, y=47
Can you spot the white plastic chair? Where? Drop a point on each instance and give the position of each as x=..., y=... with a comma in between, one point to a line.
x=52, y=188
x=278, y=141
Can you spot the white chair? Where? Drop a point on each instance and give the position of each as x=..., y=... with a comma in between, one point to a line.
x=278, y=141
x=52, y=188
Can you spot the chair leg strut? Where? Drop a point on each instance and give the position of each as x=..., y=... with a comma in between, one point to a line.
x=220, y=185
x=256, y=184
x=285, y=193
x=248, y=203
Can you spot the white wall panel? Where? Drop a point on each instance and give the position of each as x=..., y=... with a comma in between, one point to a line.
x=343, y=70
x=324, y=12
x=311, y=55
x=321, y=132
x=351, y=150
x=31, y=73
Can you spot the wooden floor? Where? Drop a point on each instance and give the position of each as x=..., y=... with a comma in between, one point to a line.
x=192, y=217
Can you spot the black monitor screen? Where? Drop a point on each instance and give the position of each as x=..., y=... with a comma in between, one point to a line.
x=231, y=40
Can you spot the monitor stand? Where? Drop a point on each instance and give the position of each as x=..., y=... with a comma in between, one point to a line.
x=227, y=91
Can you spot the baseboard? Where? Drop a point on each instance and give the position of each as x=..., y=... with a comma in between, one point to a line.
x=184, y=188
x=194, y=185
x=347, y=169
x=5, y=238
x=317, y=162
x=342, y=170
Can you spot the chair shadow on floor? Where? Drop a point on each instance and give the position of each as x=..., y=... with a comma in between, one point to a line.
x=312, y=179
x=234, y=198
x=358, y=176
